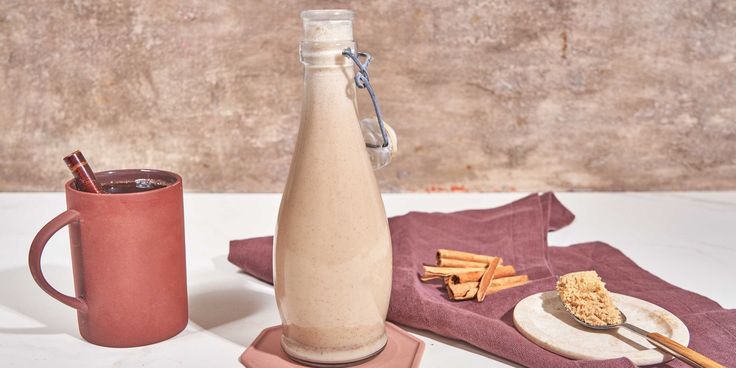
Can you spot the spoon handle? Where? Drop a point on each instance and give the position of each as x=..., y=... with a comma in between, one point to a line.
x=682, y=352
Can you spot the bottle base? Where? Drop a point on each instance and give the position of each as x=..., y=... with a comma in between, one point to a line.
x=330, y=357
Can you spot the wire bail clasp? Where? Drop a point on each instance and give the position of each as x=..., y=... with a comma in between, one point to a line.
x=362, y=80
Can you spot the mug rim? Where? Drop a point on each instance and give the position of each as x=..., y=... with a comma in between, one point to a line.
x=177, y=182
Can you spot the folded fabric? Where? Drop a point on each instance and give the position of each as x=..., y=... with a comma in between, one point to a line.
x=517, y=232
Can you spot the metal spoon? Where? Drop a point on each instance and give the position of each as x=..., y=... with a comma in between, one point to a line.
x=687, y=355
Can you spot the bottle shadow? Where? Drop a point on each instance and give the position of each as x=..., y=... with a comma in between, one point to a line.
x=227, y=308
x=20, y=293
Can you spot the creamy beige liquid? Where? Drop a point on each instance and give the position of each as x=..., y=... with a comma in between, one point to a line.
x=332, y=251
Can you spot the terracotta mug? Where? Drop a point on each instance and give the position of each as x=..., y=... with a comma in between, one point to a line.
x=128, y=260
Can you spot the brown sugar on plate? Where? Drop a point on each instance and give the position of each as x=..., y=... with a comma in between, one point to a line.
x=585, y=295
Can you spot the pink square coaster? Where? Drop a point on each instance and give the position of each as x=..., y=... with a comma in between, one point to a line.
x=402, y=351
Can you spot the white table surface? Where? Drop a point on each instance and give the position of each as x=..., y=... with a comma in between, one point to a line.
x=688, y=239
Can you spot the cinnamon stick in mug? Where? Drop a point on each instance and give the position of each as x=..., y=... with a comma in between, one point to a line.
x=84, y=177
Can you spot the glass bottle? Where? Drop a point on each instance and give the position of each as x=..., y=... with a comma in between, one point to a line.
x=332, y=250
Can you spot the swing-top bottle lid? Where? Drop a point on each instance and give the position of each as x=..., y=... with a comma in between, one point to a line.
x=328, y=25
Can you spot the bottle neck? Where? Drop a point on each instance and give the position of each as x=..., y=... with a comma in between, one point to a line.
x=330, y=94
x=325, y=54
x=330, y=89
x=328, y=74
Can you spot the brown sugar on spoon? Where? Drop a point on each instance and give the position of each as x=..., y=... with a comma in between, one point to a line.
x=585, y=295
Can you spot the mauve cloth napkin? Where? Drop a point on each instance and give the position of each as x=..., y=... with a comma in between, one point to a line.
x=518, y=233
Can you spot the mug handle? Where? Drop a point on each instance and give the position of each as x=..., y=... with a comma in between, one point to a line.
x=34, y=258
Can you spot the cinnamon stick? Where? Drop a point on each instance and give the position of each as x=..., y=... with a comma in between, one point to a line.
x=509, y=280
x=450, y=262
x=501, y=271
x=434, y=272
x=468, y=275
x=497, y=288
x=462, y=278
x=464, y=256
x=469, y=290
x=463, y=291
x=486, y=279
x=84, y=177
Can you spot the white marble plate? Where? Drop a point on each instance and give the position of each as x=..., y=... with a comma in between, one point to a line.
x=543, y=319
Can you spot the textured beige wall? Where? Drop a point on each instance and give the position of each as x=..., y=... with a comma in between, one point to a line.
x=485, y=95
